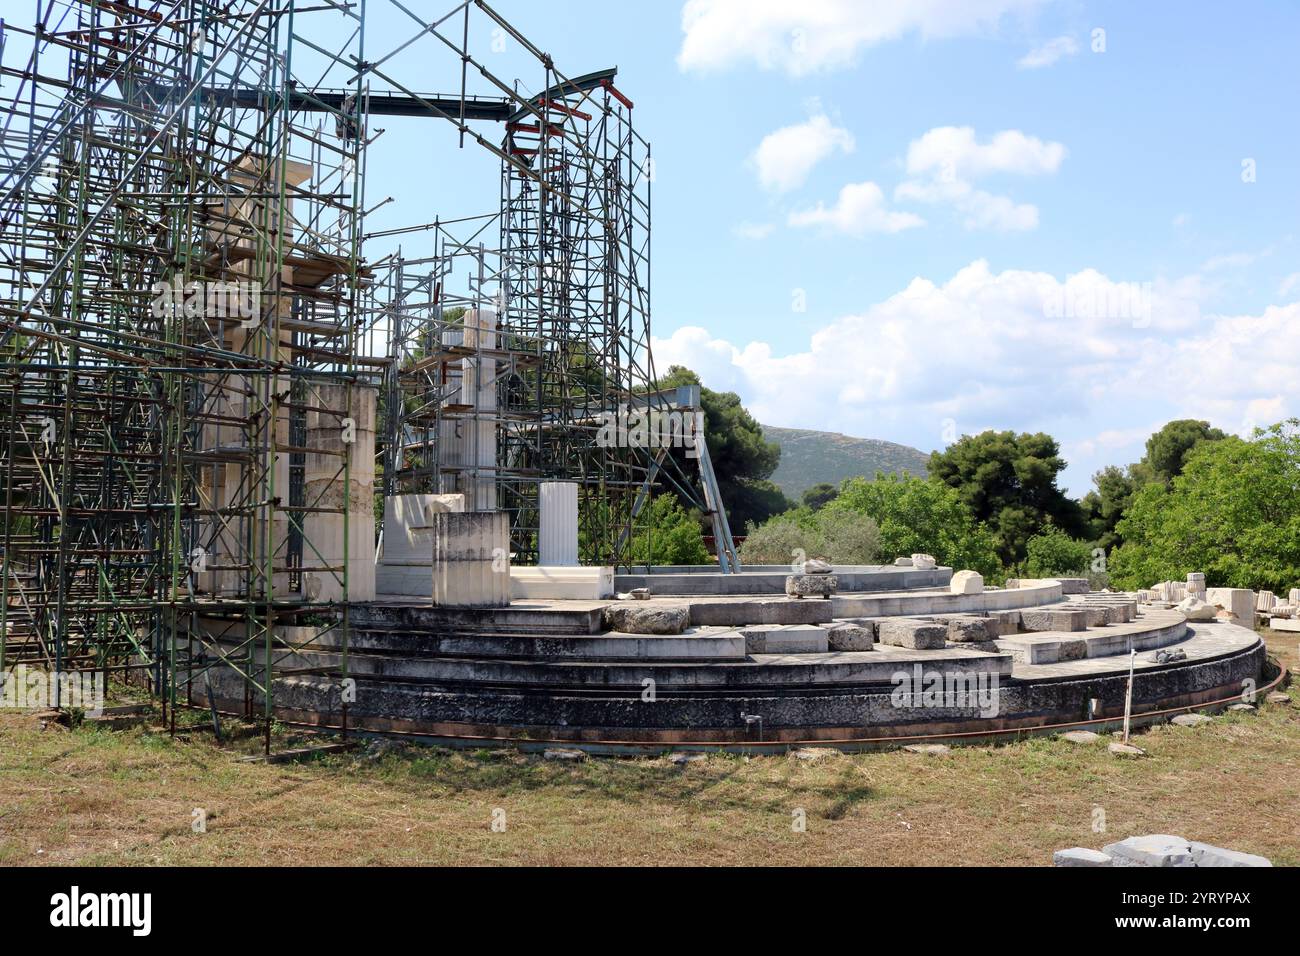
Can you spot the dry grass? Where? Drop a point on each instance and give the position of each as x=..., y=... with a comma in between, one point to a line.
x=93, y=796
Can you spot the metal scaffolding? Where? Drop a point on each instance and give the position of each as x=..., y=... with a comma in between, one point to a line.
x=207, y=379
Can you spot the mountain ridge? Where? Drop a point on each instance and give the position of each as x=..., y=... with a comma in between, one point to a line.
x=810, y=457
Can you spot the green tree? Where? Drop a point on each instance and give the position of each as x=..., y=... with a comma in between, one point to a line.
x=743, y=460
x=1106, y=503
x=818, y=496
x=919, y=516
x=671, y=535
x=1053, y=553
x=1233, y=513
x=1008, y=481
x=1115, y=488
x=1167, y=449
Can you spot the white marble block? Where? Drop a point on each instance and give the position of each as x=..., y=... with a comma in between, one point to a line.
x=403, y=568
x=1237, y=604
x=558, y=534
x=471, y=559
x=967, y=582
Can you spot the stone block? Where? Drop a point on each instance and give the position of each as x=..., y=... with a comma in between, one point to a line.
x=561, y=583
x=1071, y=650
x=811, y=585
x=641, y=619
x=969, y=630
x=924, y=562
x=902, y=562
x=1191, y=720
x=1157, y=849
x=967, y=582
x=913, y=635
x=1042, y=619
x=1080, y=737
x=1236, y=604
x=1118, y=749
x=471, y=559
x=1096, y=615
x=1206, y=855
x=1080, y=856
x=789, y=639
x=1196, y=585
x=1194, y=609
x=1265, y=601
x=851, y=637
x=1075, y=585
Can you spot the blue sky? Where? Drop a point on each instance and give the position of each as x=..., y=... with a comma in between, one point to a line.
x=912, y=221
x=1019, y=159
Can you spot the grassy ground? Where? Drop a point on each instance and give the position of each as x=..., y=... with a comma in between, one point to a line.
x=95, y=796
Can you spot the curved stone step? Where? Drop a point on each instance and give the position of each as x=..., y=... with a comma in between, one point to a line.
x=1152, y=629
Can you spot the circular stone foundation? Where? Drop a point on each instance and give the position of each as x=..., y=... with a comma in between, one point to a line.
x=754, y=670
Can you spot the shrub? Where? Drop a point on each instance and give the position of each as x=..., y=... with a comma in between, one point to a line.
x=843, y=538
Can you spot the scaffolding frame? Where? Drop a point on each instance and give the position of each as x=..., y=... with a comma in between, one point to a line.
x=179, y=490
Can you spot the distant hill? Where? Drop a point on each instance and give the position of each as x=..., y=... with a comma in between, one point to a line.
x=809, y=458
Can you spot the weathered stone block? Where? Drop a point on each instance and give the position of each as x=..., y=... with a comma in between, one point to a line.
x=1072, y=650
x=811, y=585
x=851, y=637
x=1157, y=849
x=640, y=619
x=1040, y=619
x=1194, y=609
x=969, y=630
x=914, y=635
x=1206, y=855
x=924, y=562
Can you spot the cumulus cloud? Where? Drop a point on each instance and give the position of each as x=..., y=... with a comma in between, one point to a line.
x=1048, y=53
x=785, y=157
x=859, y=210
x=954, y=151
x=1095, y=361
x=944, y=162
x=814, y=35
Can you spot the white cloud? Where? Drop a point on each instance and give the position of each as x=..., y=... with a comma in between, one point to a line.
x=954, y=151
x=810, y=35
x=1048, y=53
x=860, y=209
x=785, y=157
x=945, y=161
x=753, y=230
x=988, y=349
x=1289, y=285
x=1233, y=260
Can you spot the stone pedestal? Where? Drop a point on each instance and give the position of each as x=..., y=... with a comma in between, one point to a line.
x=407, y=558
x=471, y=559
x=558, y=534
